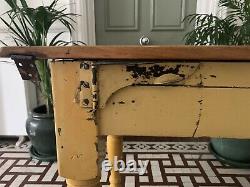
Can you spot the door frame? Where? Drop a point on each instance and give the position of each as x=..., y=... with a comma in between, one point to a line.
x=85, y=24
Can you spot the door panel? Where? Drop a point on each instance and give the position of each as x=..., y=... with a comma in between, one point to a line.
x=121, y=15
x=125, y=22
x=165, y=17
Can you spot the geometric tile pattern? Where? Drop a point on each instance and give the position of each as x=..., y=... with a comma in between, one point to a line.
x=175, y=164
x=187, y=164
x=17, y=169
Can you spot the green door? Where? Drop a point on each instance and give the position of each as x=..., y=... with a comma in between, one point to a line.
x=156, y=21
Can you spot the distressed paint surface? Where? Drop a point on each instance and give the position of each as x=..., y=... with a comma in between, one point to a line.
x=177, y=111
x=112, y=78
x=210, y=100
x=157, y=99
x=76, y=136
x=167, y=99
x=151, y=111
x=220, y=75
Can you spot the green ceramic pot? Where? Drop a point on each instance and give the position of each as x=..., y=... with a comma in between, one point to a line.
x=40, y=128
x=234, y=152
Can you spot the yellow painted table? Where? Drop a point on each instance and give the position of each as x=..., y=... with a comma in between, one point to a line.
x=121, y=91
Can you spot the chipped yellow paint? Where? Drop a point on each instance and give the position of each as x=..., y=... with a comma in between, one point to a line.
x=76, y=143
x=201, y=99
x=111, y=78
x=85, y=76
x=213, y=100
x=220, y=75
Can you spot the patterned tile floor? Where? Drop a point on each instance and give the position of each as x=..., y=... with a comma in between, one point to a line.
x=171, y=163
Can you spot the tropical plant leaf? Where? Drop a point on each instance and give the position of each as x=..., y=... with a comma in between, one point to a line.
x=212, y=30
x=12, y=4
x=55, y=38
x=30, y=27
x=3, y=43
x=24, y=3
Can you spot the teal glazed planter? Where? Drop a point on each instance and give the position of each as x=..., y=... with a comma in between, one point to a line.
x=40, y=128
x=233, y=152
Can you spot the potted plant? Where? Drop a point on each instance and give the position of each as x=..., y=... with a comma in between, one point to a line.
x=30, y=27
x=234, y=29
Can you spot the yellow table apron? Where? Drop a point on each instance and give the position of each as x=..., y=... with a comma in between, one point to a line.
x=121, y=91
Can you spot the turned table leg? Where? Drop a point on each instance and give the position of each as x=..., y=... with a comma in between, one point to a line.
x=87, y=183
x=114, y=148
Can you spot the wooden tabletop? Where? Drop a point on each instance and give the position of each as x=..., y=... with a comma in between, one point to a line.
x=136, y=53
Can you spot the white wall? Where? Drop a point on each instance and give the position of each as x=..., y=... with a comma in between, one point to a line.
x=211, y=7
x=17, y=97
x=13, y=109
x=207, y=6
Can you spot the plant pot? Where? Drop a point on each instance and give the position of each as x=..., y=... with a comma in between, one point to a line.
x=40, y=128
x=234, y=152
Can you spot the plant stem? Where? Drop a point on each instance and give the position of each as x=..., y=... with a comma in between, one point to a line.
x=45, y=83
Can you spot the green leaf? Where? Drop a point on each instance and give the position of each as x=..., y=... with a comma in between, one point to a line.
x=24, y=3
x=53, y=4
x=12, y=4
x=30, y=26
x=55, y=38
x=3, y=43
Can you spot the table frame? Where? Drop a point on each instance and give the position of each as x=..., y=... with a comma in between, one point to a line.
x=199, y=80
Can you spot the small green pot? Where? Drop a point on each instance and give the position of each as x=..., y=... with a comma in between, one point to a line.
x=234, y=152
x=40, y=128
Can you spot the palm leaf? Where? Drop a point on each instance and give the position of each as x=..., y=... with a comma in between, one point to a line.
x=232, y=30
x=52, y=43
x=30, y=26
x=12, y=4
x=3, y=43
x=24, y=3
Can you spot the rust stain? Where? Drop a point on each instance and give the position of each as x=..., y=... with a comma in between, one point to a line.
x=153, y=71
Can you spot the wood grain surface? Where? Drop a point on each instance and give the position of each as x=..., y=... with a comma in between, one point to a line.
x=136, y=53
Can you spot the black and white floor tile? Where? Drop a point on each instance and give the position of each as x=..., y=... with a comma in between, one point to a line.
x=171, y=163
